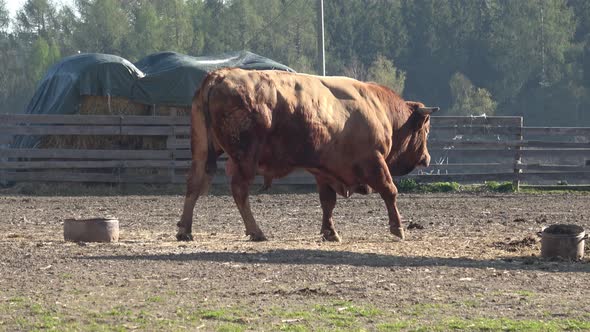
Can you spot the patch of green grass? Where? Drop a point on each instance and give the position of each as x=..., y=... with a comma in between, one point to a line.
x=39, y=317
x=410, y=185
x=502, y=187
x=395, y=326
x=470, y=303
x=407, y=185
x=16, y=300
x=214, y=314
x=118, y=311
x=323, y=316
x=439, y=187
x=230, y=327
x=423, y=309
x=293, y=328
x=288, y=314
x=334, y=316
x=155, y=299
x=234, y=316
x=525, y=293
x=503, y=324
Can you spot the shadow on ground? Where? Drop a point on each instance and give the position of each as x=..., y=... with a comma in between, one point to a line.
x=321, y=257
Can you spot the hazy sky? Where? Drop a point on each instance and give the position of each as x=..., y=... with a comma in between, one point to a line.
x=14, y=5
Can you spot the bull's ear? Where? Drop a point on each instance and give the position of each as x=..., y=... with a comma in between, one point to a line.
x=421, y=113
x=414, y=105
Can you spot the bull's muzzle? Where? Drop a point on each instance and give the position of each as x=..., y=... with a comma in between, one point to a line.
x=425, y=161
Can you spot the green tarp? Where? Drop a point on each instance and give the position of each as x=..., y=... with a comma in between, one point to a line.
x=165, y=78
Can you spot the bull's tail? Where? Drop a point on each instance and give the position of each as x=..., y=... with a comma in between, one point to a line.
x=203, y=153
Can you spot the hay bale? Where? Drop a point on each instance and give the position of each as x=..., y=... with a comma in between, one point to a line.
x=100, y=105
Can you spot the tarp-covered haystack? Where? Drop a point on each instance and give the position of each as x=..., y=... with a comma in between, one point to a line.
x=159, y=84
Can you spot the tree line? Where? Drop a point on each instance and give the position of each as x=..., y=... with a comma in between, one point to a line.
x=470, y=57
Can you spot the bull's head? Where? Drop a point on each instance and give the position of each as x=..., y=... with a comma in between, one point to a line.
x=410, y=141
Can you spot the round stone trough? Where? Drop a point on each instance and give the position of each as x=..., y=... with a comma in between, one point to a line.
x=91, y=230
x=564, y=241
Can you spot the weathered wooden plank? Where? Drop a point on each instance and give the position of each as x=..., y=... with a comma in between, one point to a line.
x=504, y=154
x=86, y=154
x=473, y=130
x=178, y=143
x=463, y=178
x=94, y=119
x=467, y=154
x=476, y=120
x=44, y=164
x=60, y=176
x=553, y=168
x=5, y=139
x=185, y=120
x=546, y=176
x=89, y=130
x=53, y=176
x=556, y=153
x=472, y=144
x=463, y=165
x=482, y=177
x=507, y=144
x=557, y=131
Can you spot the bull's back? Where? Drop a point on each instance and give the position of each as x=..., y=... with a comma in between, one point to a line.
x=301, y=120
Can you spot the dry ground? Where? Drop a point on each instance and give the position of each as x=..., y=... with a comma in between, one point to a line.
x=473, y=266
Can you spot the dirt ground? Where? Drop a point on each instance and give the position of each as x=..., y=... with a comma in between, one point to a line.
x=470, y=262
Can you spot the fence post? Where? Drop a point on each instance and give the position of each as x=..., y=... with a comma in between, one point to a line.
x=172, y=145
x=518, y=157
x=5, y=141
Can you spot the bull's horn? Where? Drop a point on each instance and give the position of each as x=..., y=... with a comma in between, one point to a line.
x=428, y=110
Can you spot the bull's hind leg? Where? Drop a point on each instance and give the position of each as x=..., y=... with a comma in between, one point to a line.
x=328, y=202
x=240, y=184
x=378, y=177
x=196, y=184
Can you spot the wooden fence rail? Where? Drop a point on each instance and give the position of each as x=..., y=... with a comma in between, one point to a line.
x=463, y=149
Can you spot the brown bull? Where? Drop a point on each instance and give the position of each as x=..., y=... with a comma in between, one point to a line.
x=352, y=136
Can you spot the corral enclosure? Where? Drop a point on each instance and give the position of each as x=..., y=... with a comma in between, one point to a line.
x=153, y=147
x=470, y=262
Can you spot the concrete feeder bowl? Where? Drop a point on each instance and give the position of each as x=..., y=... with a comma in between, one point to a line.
x=563, y=240
x=91, y=230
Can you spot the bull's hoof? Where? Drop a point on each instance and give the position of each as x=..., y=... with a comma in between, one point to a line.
x=398, y=231
x=257, y=237
x=331, y=236
x=184, y=237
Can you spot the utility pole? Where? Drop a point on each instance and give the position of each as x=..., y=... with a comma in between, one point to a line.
x=321, y=46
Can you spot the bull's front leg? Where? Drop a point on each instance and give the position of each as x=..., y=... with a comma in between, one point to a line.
x=379, y=178
x=395, y=220
x=328, y=202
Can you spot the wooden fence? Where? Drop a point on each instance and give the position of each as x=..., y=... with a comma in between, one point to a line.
x=463, y=149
